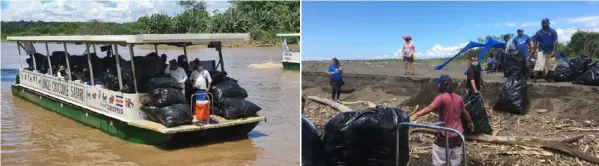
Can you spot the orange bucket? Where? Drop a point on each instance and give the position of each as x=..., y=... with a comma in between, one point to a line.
x=202, y=110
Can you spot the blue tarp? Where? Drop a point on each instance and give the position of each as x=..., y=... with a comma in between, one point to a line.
x=490, y=44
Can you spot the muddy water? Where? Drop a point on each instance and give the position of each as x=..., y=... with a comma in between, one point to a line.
x=34, y=136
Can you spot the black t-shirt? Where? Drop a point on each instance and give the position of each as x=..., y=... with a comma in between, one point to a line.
x=474, y=74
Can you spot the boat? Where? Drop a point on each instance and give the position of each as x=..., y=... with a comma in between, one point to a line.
x=93, y=105
x=291, y=56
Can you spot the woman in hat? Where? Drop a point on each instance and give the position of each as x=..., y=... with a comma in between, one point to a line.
x=408, y=50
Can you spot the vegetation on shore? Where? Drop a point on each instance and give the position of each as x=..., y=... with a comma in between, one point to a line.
x=263, y=19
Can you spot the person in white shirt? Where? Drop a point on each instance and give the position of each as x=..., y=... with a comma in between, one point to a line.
x=178, y=73
x=201, y=79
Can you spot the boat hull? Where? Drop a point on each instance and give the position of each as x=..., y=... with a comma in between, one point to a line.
x=291, y=66
x=122, y=129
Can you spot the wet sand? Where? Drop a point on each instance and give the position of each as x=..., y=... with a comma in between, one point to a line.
x=35, y=136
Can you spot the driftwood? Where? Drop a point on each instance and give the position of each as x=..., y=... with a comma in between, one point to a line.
x=330, y=103
x=370, y=104
x=556, y=145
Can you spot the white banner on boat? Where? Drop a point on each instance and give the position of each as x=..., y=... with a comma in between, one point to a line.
x=110, y=103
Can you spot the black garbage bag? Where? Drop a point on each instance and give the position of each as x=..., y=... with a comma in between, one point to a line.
x=368, y=138
x=476, y=108
x=580, y=65
x=175, y=115
x=151, y=112
x=516, y=63
x=167, y=96
x=313, y=151
x=217, y=76
x=111, y=81
x=154, y=66
x=563, y=73
x=590, y=77
x=228, y=89
x=162, y=82
x=513, y=96
x=235, y=108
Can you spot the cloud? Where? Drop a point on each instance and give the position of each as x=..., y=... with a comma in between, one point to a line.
x=109, y=11
x=564, y=35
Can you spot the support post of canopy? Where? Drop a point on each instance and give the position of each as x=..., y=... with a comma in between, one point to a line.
x=34, y=62
x=185, y=52
x=133, y=67
x=94, y=45
x=219, y=48
x=118, y=66
x=89, y=62
x=156, y=50
x=20, y=58
x=67, y=57
x=48, y=56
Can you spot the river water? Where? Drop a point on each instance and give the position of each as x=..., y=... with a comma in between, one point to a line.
x=32, y=135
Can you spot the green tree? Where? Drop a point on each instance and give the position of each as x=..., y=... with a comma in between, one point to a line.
x=192, y=21
x=194, y=4
x=155, y=24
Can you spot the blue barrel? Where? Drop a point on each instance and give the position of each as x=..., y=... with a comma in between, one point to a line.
x=200, y=95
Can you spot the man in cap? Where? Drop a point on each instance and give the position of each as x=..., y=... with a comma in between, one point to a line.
x=522, y=43
x=451, y=109
x=545, y=48
x=502, y=56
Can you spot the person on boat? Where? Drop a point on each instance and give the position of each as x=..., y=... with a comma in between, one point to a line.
x=545, y=48
x=201, y=80
x=451, y=111
x=474, y=79
x=335, y=73
x=408, y=50
x=177, y=72
x=62, y=72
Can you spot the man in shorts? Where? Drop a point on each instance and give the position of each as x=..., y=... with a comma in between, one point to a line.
x=544, y=50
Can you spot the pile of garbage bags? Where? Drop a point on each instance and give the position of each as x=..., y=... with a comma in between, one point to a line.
x=581, y=70
x=367, y=137
x=313, y=151
x=513, y=96
x=476, y=108
x=168, y=105
x=229, y=98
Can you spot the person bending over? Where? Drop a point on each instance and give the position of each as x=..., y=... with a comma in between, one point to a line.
x=450, y=108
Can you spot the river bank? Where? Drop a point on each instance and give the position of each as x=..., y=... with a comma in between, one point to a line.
x=554, y=109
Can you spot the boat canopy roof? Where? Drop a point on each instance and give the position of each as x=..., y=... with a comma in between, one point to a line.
x=170, y=39
x=288, y=35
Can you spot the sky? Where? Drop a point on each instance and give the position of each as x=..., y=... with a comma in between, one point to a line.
x=84, y=10
x=374, y=30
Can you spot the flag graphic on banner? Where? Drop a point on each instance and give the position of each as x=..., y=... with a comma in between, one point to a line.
x=129, y=103
x=119, y=101
x=285, y=47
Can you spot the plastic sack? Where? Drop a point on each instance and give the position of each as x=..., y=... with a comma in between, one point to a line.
x=167, y=96
x=579, y=65
x=175, y=115
x=476, y=108
x=156, y=67
x=150, y=113
x=162, y=82
x=516, y=63
x=513, y=96
x=235, y=108
x=563, y=73
x=368, y=137
x=313, y=151
x=590, y=77
x=217, y=76
x=228, y=89
x=111, y=81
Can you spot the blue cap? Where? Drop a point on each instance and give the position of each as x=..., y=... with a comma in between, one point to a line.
x=545, y=21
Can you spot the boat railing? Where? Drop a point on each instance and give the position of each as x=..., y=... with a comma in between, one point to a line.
x=435, y=126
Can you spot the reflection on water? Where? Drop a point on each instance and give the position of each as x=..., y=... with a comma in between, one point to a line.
x=34, y=136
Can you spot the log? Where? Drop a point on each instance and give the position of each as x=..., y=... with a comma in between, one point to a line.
x=370, y=104
x=330, y=103
x=557, y=145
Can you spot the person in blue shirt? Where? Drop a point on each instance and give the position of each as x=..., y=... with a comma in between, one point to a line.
x=335, y=73
x=544, y=47
x=522, y=43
